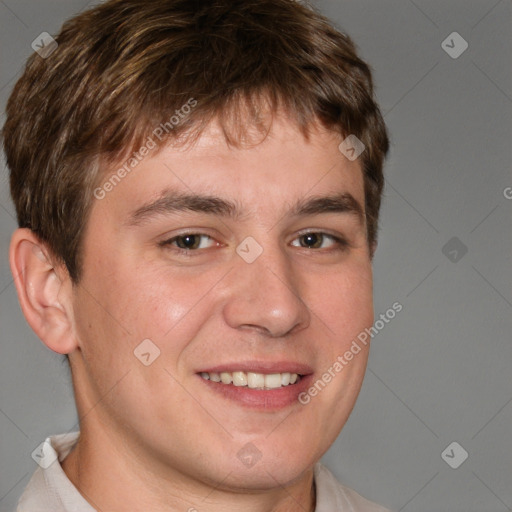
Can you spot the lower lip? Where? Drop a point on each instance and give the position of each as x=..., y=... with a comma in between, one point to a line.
x=262, y=399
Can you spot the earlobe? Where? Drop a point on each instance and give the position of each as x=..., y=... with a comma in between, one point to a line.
x=44, y=291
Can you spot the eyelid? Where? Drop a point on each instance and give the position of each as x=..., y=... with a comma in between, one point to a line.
x=319, y=231
x=339, y=240
x=190, y=230
x=168, y=242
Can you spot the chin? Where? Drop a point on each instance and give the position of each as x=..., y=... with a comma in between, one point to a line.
x=263, y=465
x=265, y=476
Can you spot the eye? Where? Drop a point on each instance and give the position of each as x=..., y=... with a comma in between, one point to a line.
x=191, y=241
x=313, y=240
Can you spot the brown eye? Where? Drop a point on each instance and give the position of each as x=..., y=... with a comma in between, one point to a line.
x=312, y=240
x=319, y=240
x=188, y=241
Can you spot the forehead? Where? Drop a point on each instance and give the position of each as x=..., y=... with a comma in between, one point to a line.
x=264, y=174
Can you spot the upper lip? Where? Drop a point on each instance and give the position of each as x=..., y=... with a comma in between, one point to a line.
x=266, y=367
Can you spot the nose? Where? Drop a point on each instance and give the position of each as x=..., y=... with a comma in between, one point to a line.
x=265, y=296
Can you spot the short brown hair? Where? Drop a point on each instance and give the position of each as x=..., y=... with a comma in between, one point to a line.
x=125, y=66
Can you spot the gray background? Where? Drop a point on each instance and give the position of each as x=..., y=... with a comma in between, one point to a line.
x=440, y=371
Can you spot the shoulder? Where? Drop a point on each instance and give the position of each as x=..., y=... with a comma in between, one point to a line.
x=334, y=497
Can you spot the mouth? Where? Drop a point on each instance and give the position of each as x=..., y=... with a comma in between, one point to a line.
x=262, y=386
x=253, y=380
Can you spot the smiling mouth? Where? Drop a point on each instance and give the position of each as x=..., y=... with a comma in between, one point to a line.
x=260, y=381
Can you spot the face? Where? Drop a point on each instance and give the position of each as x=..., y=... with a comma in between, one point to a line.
x=250, y=266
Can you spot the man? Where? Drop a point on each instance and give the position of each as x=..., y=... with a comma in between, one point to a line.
x=197, y=186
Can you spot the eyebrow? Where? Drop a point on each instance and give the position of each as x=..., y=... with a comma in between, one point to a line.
x=174, y=202
x=337, y=203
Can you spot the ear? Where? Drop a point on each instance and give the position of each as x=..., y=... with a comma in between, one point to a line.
x=44, y=291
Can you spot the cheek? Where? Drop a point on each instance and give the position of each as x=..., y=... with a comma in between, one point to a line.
x=133, y=303
x=344, y=301
x=171, y=301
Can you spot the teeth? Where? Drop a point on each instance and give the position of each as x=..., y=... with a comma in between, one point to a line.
x=253, y=380
x=239, y=379
x=273, y=380
x=226, y=377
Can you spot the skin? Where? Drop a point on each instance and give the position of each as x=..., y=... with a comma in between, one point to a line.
x=156, y=437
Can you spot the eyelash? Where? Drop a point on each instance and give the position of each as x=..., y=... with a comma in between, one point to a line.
x=168, y=244
x=340, y=244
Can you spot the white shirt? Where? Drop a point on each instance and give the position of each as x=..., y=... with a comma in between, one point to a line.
x=50, y=490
